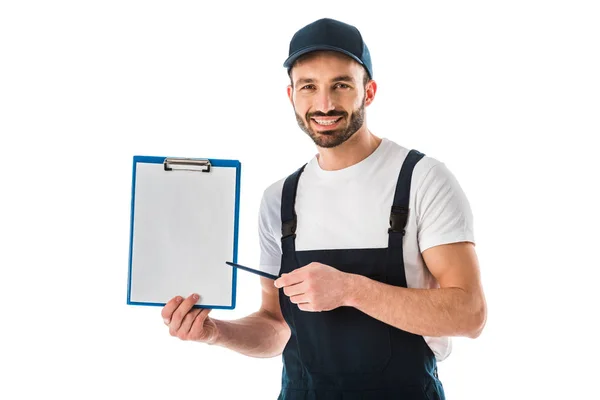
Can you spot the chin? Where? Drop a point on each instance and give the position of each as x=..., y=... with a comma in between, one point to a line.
x=329, y=139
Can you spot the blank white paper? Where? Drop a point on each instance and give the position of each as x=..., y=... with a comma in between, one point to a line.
x=183, y=232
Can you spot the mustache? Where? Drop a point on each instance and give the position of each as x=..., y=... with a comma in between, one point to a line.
x=331, y=113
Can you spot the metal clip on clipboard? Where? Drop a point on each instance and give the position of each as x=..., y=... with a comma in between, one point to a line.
x=186, y=164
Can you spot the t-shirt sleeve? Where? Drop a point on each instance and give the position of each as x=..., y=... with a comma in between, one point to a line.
x=270, y=250
x=443, y=211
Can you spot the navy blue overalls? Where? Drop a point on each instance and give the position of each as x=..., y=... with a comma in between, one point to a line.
x=344, y=354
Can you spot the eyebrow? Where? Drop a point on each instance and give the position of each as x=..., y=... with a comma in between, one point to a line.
x=341, y=78
x=344, y=78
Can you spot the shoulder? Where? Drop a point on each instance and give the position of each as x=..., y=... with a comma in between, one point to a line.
x=431, y=177
x=271, y=196
x=427, y=165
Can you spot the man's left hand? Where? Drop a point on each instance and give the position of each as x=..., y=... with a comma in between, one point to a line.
x=316, y=287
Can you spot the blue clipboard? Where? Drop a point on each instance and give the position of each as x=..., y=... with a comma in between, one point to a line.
x=183, y=227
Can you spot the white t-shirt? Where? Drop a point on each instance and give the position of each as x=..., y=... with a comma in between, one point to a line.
x=350, y=208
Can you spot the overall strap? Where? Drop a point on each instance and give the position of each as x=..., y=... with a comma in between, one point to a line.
x=288, y=213
x=399, y=212
x=399, y=217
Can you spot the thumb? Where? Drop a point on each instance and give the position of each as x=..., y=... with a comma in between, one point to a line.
x=280, y=281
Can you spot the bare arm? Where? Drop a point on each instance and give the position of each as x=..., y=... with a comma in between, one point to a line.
x=457, y=308
x=261, y=334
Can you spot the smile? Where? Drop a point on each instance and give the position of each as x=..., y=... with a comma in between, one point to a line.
x=326, y=121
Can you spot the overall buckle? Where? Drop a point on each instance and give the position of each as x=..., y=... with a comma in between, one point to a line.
x=398, y=219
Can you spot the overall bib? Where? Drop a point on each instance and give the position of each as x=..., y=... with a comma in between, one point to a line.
x=344, y=354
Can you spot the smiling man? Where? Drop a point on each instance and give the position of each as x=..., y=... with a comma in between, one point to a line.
x=373, y=243
x=336, y=125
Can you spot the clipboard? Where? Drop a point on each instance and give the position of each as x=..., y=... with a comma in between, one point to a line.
x=183, y=228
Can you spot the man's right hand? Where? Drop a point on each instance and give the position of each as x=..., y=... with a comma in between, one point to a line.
x=188, y=323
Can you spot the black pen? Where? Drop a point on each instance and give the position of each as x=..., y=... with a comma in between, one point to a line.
x=254, y=271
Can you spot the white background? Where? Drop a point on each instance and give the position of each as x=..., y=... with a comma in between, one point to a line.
x=507, y=94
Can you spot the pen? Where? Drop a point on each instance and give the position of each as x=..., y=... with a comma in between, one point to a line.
x=254, y=271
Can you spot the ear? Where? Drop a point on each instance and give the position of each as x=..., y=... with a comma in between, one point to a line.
x=290, y=93
x=370, y=91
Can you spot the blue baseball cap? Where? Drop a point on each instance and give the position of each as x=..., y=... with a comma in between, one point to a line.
x=329, y=34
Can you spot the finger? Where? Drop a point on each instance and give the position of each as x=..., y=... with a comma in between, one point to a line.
x=198, y=331
x=179, y=314
x=169, y=308
x=299, y=299
x=279, y=282
x=306, y=307
x=294, y=290
x=187, y=322
x=197, y=328
x=289, y=279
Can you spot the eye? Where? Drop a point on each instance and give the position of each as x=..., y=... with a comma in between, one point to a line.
x=307, y=87
x=341, y=86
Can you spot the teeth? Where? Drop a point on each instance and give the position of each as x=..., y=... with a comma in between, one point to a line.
x=326, y=122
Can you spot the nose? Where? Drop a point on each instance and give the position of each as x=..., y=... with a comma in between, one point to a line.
x=324, y=102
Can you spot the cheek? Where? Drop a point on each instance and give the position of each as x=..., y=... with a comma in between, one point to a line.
x=301, y=108
x=348, y=102
x=359, y=101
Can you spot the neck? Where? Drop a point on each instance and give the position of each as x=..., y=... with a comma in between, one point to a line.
x=351, y=152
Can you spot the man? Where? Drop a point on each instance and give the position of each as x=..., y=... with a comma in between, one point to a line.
x=374, y=244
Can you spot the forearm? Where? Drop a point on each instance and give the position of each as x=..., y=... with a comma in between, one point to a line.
x=257, y=335
x=426, y=312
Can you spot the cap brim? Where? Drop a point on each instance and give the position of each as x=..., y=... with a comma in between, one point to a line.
x=292, y=59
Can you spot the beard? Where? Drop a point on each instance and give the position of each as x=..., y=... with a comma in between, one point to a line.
x=334, y=137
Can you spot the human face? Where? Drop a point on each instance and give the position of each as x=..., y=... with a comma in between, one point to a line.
x=329, y=97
